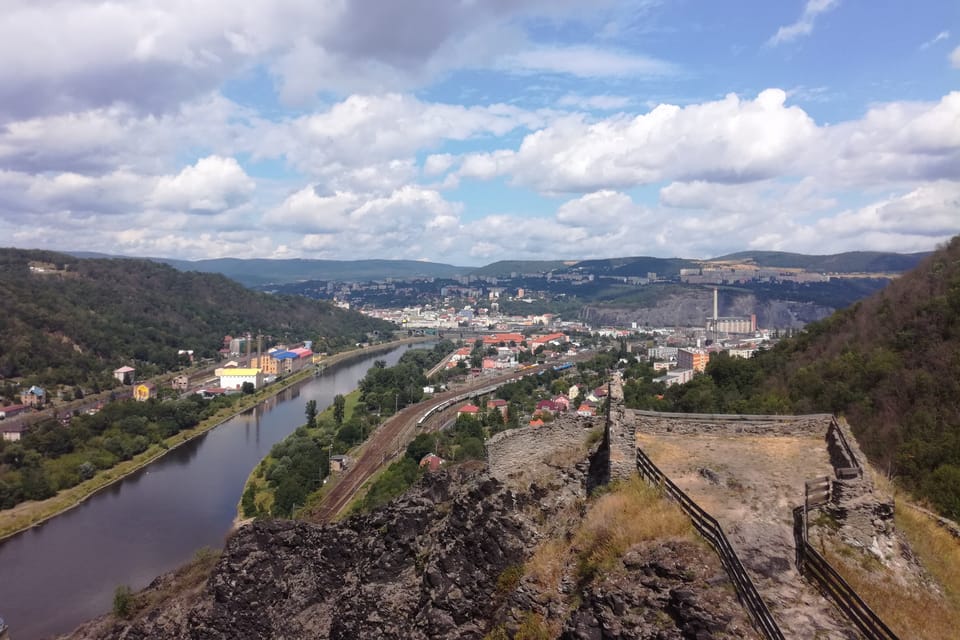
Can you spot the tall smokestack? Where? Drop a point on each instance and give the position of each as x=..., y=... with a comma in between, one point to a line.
x=715, y=307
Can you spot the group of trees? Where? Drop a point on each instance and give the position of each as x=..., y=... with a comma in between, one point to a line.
x=73, y=324
x=51, y=457
x=297, y=466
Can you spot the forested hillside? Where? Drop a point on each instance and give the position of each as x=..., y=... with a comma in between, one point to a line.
x=70, y=321
x=890, y=364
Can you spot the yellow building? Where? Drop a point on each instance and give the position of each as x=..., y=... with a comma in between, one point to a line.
x=144, y=391
x=695, y=359
x=234, y=378
x=268, y=366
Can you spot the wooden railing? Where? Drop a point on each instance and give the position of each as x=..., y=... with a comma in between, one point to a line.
x=711, y=531
x=815, y=567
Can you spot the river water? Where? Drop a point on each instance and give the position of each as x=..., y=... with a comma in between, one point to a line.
x=64, y=572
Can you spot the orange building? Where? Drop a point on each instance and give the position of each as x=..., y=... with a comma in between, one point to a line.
x=695, y=359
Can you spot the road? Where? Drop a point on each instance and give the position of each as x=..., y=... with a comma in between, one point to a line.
x=390, y=440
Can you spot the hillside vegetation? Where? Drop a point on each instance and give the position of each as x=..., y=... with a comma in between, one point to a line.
x=71, y=321
x=890, y=363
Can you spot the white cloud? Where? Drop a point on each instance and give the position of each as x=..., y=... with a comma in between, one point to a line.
x=437, y=163
x=154, y=55
x=367, y=130
x=212, y=184
x=730, y=140
x=804, y=25
x=407, y=222
x=594, y=103
x=955, y=58
x=943, y=35
x=585, y=62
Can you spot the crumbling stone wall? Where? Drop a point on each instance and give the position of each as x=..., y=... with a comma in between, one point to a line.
x=511, y=452
x=621, y=434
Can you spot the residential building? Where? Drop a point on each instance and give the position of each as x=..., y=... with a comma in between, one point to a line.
x=12, y=432
x=33, y=397
x=468, y=410
x=181, y=382
x=586, y=411
x=677, y=376
x=124, y=374
x=695, y=359
x=500, y=405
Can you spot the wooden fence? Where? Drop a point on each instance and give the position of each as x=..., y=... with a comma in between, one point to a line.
x=815, y=567
x=711, y=531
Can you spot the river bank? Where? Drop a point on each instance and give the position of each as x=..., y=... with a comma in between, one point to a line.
x=31, y=514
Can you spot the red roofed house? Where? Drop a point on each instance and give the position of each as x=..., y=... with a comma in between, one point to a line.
x=462, y=353
x=585, y=411
x=562, y=403
x=547, y=406
x=13, y=410
x=537, y=422
x=468, y=410
x=499, y=405
x=431, y=462
x=558, y=338
x=505, y=338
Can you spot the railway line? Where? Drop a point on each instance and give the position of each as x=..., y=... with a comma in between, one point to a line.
x=391, y=439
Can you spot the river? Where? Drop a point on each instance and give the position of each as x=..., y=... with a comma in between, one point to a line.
x=65, y=571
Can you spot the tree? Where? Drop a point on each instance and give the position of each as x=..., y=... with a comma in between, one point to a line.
x=339, y=405
x=123, y=601
x=311, y=412
x=247, y=388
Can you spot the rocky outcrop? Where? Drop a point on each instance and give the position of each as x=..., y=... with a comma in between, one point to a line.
x=659, y=583
x=445, y=560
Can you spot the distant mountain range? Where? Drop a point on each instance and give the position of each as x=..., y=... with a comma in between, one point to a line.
x=849, y=262
x=259, y=271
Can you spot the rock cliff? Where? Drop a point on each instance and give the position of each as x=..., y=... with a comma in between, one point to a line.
x=446, y=560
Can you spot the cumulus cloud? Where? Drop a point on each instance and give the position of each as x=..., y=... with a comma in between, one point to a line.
x=730, y=140
x=404, y=223
x=153, y=56
x=955, y=58
x=212, y=184
x=804, y=25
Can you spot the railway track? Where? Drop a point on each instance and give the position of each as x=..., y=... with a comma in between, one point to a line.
x=392, y=438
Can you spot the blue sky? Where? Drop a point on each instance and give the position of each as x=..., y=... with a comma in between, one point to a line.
x=477, y=130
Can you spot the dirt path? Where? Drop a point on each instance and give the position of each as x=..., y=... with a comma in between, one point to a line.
x=749, y=477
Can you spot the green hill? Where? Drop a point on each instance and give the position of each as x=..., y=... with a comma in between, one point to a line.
x=504, y=268
x=71, y=321
x=849, y=262
x=890, y=363
x=254, y=272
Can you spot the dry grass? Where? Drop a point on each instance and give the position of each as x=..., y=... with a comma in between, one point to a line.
x=547, y=564
x=632, y=512
x=912, y=611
